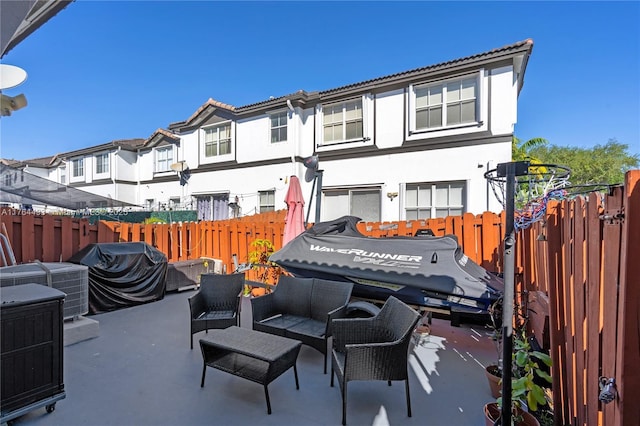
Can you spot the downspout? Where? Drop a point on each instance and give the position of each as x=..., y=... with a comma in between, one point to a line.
x=114, y=173
x=294, y=142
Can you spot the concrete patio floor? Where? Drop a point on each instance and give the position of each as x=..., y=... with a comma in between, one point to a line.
x=140, y=371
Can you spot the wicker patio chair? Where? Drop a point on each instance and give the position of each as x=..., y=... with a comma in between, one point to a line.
x=373, y=348
x=217, y=303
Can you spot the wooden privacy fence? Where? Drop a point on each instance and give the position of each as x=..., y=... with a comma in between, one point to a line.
x=585, y=258
x=56, y=238
x=580, y=268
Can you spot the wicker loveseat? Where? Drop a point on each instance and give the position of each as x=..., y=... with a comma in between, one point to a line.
x=302, y=309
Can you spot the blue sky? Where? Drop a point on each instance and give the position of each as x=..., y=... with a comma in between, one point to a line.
x=107, y=70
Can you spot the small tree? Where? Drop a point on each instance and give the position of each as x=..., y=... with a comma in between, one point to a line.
x=600, y=164
x=267, y=272
x=521, y=150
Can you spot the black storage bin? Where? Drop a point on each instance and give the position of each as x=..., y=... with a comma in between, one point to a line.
x=31, y=318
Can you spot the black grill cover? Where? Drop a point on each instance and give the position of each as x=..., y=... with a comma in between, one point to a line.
x=122, y=274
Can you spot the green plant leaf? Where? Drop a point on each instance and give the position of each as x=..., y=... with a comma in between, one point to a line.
x=531, y=402
x=521, y=358
x=544, y=375
x=542, y=357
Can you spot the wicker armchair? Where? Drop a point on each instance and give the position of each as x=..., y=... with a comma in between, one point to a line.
x=373, y=348
x=217, y=303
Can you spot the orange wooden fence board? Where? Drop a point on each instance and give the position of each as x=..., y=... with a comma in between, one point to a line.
x=628, y=357
x=594, y=239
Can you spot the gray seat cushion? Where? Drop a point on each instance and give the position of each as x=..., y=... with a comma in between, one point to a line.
x=308, y=327
x=283, y=321
x=213, y=315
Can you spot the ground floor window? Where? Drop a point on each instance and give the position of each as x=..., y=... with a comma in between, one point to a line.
x=434, y=199
x=212, y=207
x=361, y=202
x=267, y=201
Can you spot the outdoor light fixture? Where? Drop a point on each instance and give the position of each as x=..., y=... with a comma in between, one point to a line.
x=392, y=195
x=313, y=173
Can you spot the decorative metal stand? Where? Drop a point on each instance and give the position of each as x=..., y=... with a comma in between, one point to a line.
x=534, y=184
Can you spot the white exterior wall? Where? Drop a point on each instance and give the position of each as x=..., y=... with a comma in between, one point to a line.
x=160, y=192
x=245, y=183
x=37, y=171
x=253, y=138
x=389, y=119
x=124, y=165
x=462, y=154
x=503, y=101
x=466, y=164
x=391, y=172
x=145, y=166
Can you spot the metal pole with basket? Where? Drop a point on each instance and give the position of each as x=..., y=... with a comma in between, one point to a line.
x=523, y=189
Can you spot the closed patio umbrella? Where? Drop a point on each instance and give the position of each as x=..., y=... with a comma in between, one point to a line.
x=294, y=224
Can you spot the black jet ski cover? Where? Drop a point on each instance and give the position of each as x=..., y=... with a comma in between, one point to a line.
x=122, y=274
x=422, y=270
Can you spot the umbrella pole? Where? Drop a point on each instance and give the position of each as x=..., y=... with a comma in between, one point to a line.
x=313, y=187
x=318, y=194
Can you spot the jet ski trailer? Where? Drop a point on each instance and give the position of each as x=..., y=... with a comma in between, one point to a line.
x=424, y=271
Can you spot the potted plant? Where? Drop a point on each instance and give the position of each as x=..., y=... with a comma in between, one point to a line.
x=528, y=369
x=266, y=271
x=528, y=372
x=494, y=371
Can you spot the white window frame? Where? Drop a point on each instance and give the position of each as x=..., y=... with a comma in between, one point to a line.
x=77, y=169
x=442, y=84
x=366, y=102
x=162, y=164
x=97, y=158
x=279, y=127
x=270, y=204
x=433, y=207
x=63, y=175
x=203, y=143
x=349, y=191
x=175, y=202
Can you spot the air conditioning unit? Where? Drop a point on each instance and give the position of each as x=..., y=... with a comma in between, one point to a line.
x=215, y=266
x=186, y=273
x=69, y=278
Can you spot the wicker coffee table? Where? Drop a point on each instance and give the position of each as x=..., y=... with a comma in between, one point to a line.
x=253, y=355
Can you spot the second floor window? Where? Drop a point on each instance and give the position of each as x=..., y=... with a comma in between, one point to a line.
x=63, y=175
x=164, y=159
x=279, y=127
x=267, y=201
x=446, y=104
x=78, y=167
x=217, y=140
x=102, y=163
x=342, y=121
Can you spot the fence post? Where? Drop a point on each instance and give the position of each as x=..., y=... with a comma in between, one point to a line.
x=593, y=256
x=628, y=357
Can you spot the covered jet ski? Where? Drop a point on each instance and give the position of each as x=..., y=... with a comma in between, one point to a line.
x=425, y=271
